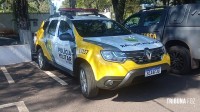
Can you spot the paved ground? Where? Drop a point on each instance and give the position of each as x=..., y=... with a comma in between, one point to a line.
x=25, y=88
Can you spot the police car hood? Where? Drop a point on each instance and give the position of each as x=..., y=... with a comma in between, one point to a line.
x=125, y=43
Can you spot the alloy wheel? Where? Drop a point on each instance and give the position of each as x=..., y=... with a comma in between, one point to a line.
x=40, y=59
x=177, y=60
x=83, y=81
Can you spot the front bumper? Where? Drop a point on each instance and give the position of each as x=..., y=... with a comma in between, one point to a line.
x=112, y=82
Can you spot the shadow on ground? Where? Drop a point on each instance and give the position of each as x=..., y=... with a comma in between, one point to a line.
x=166, y=86
x=32, y=83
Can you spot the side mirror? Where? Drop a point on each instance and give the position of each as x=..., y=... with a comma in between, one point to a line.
x=66, y=37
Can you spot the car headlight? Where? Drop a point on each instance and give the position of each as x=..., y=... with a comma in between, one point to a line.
x=114, y=56
x=164, y=49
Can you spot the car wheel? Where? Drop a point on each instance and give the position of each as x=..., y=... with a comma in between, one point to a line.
x=42, y=62
x=89, y=88
x=180, y=60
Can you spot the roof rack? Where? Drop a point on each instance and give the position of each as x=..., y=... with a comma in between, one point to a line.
x=55, y=15
x=75, y=10
x=70, y=12
x=59, y=14
x=99, y=15
x=153, y=8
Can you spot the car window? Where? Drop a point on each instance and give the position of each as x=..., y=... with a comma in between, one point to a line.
x=152, y=19
x=52, y=27
x=194, y=16
x=46, y=23
x=132, y=22
x=177, y=14
x=98, y=28
x=64, y=28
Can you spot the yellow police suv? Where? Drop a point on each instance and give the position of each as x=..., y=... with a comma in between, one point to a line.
x=98, y=50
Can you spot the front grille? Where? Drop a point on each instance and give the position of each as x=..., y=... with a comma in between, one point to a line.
x=139, y=57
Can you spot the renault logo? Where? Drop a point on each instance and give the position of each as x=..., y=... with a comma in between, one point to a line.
x=147, y=53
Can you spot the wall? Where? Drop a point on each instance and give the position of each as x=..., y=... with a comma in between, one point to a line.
x=6, y=21
x=14, y=54
x=36, y=20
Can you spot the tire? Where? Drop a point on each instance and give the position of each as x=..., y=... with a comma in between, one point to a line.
x=180, y=60
x=88, y=84
x=42, y=62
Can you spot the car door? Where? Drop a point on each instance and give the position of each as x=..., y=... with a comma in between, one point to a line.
x=49, y=35
x=133, y=23
x=64, y=46
x=153, y=24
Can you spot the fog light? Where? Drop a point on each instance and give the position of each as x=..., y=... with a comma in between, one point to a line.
x=109, y=82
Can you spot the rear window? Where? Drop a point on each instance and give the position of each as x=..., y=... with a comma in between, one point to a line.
x=46, y=23
x=52, y=27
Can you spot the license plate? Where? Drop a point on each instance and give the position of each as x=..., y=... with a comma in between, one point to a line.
x=152, y=71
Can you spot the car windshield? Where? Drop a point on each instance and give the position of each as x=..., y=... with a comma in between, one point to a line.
x=99, y=28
